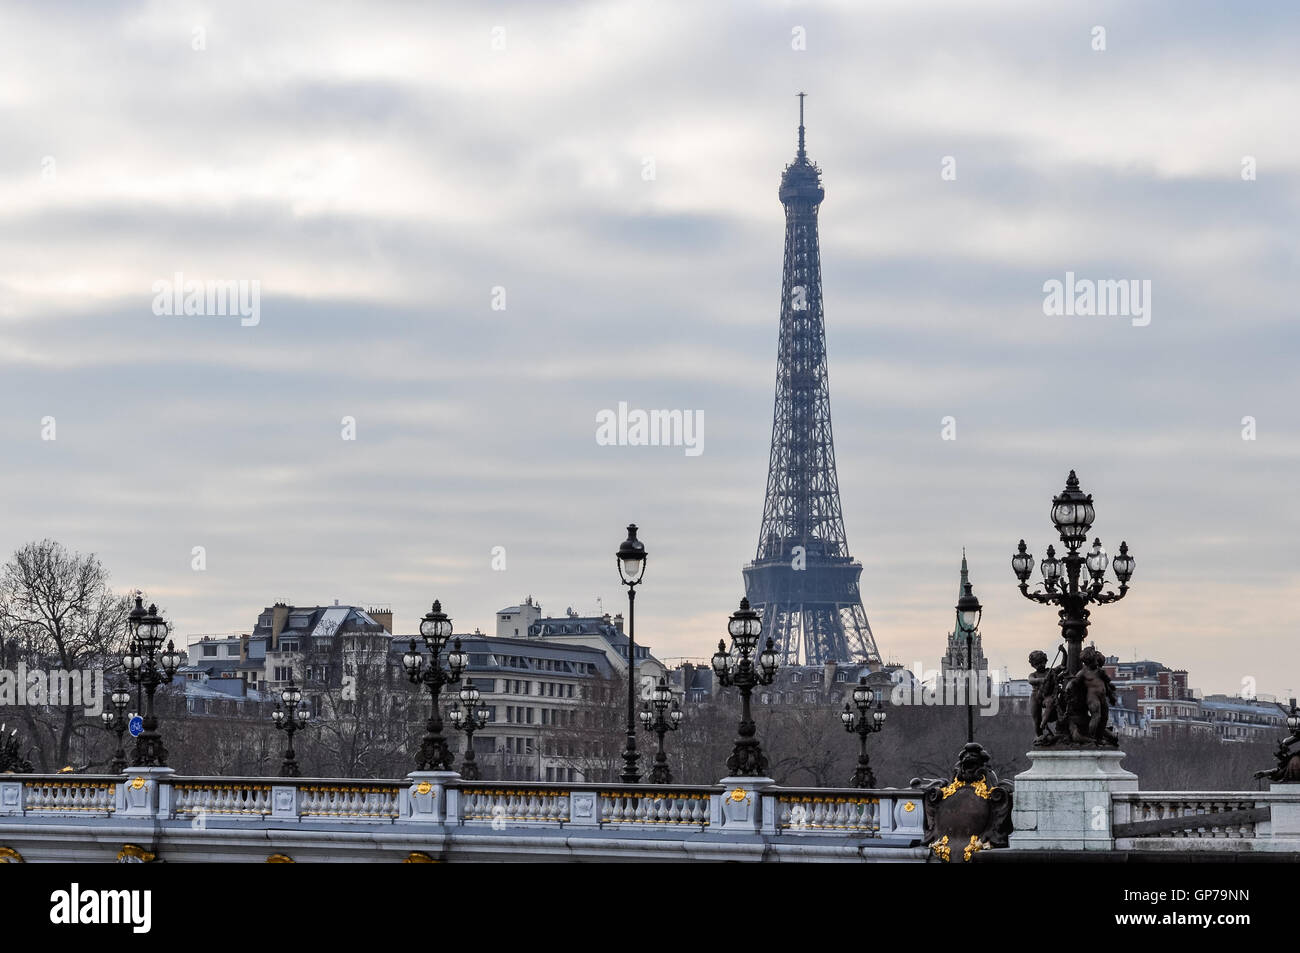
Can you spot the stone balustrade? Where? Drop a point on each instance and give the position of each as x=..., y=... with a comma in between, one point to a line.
x=218, y=796
x=65, y=793
x=77, y=817
x=439, y=815
x=1213, y=820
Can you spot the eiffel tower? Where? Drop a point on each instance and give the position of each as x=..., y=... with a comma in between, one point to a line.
x=803, y=579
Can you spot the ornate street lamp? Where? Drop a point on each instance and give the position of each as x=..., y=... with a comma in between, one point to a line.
x=969, y=612
x=631, y=558
x=435, y=629
x=290, y=715
x=666, y=717
x=747, y=758
x=149, y=665
x=865, y=721
x=1065, y=587
x=115, y=720
x=469, y=720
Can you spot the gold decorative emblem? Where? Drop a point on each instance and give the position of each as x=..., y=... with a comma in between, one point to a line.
x=10, y=856
x=941, y=849
x=131, y=854
x=909, y=807
x=424, y=787
x=280, y=859
x=975, y=845
x=418, y=857
x=980, y=788
x=137, y=782
x=738, y=794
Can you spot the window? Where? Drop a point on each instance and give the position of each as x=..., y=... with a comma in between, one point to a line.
x=209, y=651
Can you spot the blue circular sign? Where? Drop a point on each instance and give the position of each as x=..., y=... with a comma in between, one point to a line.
x=135, y=726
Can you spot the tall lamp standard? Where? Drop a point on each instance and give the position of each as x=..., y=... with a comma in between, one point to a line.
x=115, y=721
x=149, y=665
x=435, y=629
x=291, y=717
x=631, y=558
x=1065, y=588
x=666, y=717
x=469, y=720
x=747, y=758
x=865, y=721
x=969, y=612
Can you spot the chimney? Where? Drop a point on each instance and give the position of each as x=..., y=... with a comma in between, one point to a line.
x=279, y=618
x=384, y=617
x=243, y=648
x=618, y=623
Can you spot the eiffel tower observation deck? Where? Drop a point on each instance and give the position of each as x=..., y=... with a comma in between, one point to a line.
x=802, y=579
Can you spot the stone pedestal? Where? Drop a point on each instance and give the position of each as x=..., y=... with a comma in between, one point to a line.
x=145, y=792
x=1285, y=814
x=739, y=809
x=1063, y=801
x=426, y=800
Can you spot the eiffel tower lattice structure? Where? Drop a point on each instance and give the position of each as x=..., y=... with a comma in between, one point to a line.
x=802, y=579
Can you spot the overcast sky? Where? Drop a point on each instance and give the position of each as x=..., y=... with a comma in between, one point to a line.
x=381, y=168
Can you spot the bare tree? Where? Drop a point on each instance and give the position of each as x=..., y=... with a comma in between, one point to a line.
x=58, y=612
x=361, y=727
x=592, y=745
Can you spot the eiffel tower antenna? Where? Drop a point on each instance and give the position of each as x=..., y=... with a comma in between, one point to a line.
x=803, y=579
x=802, y=154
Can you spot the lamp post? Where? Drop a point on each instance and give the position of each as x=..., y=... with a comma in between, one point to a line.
x=435, y=629
x=969, y=612
x=666, y=717
x=747, y=758
x=149, y=665
x=290, y=718
x=631, y=559
x=865, y=721
x=469, y=720
x=115, y=720
x=1065, y=587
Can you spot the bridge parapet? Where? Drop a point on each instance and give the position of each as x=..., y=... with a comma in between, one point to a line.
x=79, y=817
x=1208, y=820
